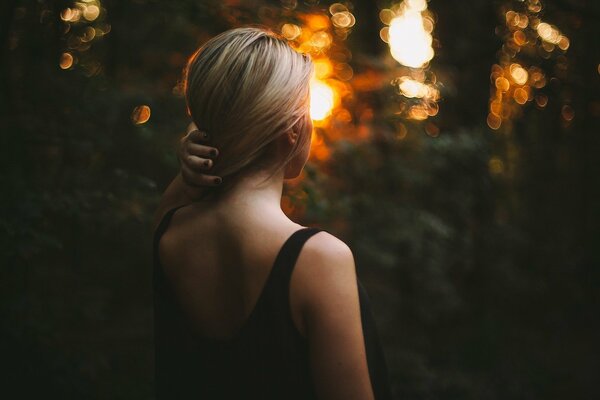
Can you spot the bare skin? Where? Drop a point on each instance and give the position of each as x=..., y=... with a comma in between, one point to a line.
x=219, y=276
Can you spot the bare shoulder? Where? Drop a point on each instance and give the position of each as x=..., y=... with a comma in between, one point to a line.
x=331, y=313
x=323, y=246
x=325, y=254
x=326, y=271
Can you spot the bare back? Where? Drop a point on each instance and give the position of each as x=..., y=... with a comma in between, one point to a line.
x=219, y=278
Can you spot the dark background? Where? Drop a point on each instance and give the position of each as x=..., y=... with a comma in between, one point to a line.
x=484, y=279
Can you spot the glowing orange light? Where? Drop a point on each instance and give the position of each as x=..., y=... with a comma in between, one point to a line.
x=66, y=60
x=523, y=21
x=67, y=14
x=502, y=84
x=567, y=112
x=337, y=8
x=494, y=121
x=563, y=43
x=518, y=74
x=511, y=18
x=318, y=148
x=140, y=114
x=321, y=100
x=384, y=34
x=496, y=107
x=320, y=39
x=432, y=130
x=323, y=68
x=317, y=22
x=552, y=36
x=344, y=72
x=386, y=16
x=534, y=6
x=432, y=109
x=91, y=12
x=412, y=88
x=519, y=38
x=418, y=112
x=291, y=31
x=88, y=34
x=545, y=31
x=541, y=100
x=343, y=19
x=520, y=95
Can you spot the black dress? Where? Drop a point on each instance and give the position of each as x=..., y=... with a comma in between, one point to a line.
x=267, y=359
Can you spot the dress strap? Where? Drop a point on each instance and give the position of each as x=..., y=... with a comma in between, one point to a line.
x=283, y=267
x=163, y=225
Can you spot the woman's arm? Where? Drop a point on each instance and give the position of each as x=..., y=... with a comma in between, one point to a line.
x=329, y=298
x=195, y=158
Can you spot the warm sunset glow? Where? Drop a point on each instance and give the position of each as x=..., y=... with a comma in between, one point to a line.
x=323, y=68
x=321, y=100
x=321, y=36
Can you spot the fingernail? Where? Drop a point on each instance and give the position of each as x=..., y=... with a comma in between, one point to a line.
x=205, y=135
x=207, y=163
x=213, y=152
x=217, y=181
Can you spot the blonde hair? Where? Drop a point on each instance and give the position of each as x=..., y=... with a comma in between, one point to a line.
x=245, y=87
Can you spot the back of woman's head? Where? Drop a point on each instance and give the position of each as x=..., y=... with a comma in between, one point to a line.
x=245, y=87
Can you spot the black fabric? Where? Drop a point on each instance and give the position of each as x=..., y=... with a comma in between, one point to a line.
x=267, y=359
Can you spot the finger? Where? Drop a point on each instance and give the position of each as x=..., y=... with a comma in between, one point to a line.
x=198, y=136
x=191, y=127
x=194, y=179
x=200, y=150
x=197, y=163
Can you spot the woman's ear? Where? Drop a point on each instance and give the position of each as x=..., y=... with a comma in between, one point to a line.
x=292, y=137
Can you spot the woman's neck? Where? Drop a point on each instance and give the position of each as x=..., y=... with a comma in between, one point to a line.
x=257, y=189
x=255, y=196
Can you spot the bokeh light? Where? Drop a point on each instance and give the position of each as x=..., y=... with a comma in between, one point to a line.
x=83, y=24
x=409, y=36
x=291, y=31
x=321, y=100
x=513, y=84
x=140, y=114
x=410, y=43
x=66, y=61
x=320, y=35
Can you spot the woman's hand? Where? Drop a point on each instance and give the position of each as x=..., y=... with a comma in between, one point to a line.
x=196, y=159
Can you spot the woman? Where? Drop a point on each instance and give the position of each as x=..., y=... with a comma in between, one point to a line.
x=261, y=307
